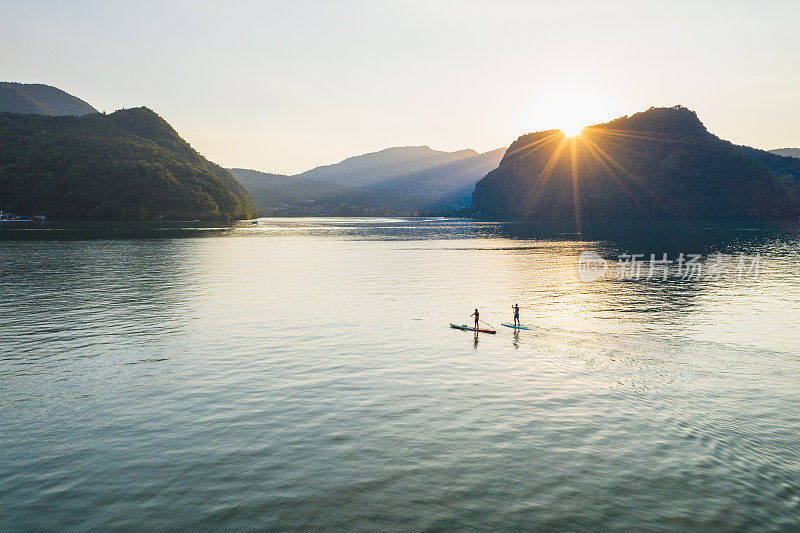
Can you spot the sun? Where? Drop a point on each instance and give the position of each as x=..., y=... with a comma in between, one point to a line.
x=570, y=108
x=572, y=130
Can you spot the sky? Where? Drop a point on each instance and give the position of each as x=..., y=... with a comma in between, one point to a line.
x=290, y=85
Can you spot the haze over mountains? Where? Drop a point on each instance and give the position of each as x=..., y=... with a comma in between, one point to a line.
x=39, y=99
x=279, y=195
x=788, y=152
x=658, y=164
x=399, y=179
x=412, y=165
x=62, y=157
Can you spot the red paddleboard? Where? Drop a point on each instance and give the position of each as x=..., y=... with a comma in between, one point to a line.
x=467, y=328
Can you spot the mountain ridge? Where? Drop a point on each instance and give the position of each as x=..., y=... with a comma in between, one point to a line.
x=281, y=195
x=786, y=152
x=658, y=164
x=40, y=99
x=127, y=165
x=367, y=169
x=422, y=179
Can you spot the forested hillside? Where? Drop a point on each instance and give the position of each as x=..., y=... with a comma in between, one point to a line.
x=129, y=165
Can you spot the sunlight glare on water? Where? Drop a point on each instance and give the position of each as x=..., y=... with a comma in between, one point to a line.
x=302, y=373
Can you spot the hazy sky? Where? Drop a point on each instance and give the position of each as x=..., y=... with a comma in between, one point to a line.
x=285, y=86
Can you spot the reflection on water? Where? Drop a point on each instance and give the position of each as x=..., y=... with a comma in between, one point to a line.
x=302, y=373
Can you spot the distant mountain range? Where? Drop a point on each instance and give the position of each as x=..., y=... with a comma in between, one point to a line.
x=38, y=99
x=410, y=179
x=61, y=157
x=658, y=164
x=279, y=195
x=788, y=152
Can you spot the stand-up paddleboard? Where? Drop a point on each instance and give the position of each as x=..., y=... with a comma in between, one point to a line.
x=515, y=327
x=467, y=328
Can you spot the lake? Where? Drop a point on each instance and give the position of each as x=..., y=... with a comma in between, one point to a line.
x=301, y=373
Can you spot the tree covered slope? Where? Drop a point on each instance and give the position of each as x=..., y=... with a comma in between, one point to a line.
x=129, y=165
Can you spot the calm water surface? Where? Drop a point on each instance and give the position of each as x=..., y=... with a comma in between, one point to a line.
x=301, y=373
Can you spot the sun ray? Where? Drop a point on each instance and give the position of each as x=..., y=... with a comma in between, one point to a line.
x=588, y=139
x=601, y=155
x=544, y=175
x=625, y=147
x=590, y=147
x=609, y=158
x=632, y=135
x=576, y=199
x=554, y=157
x=534, y=145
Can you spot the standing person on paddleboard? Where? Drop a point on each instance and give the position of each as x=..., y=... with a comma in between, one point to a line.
x=515, y=307
x=476, y=315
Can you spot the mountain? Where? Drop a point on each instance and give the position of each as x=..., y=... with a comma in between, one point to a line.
x=282, y=189
x=39, y=99
x=276, y=194
x=386, y=164
x=448, y=185
x=788, y=152
x=658, y=164
x=129, y=165
x=395, y=181
x=433, y=178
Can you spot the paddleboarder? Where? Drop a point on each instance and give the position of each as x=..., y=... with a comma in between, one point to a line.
x=476, y=315
x=515, y=307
